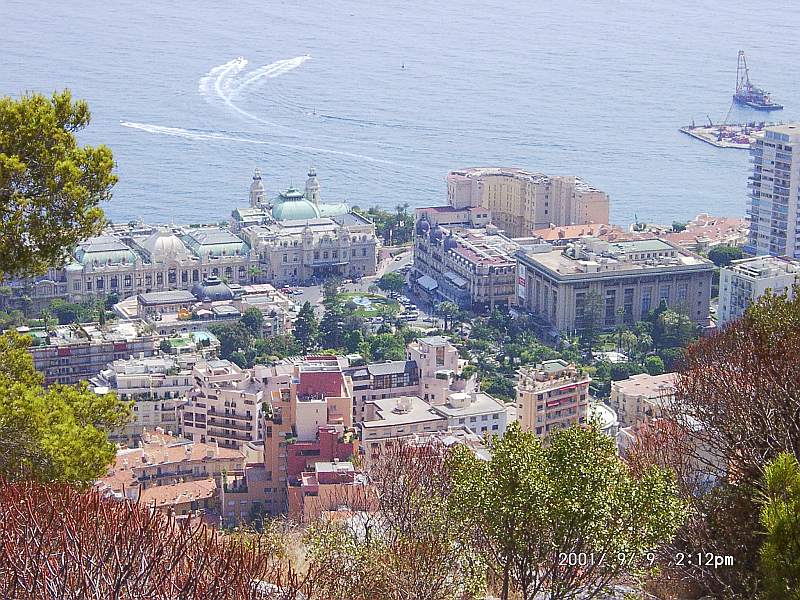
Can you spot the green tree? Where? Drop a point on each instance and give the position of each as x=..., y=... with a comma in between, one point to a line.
x=232, y=336
x=253, y=320
x=392, y=282
x=654, y=365
x=588, y=319
x=674, y=329
x=780, y=517
x=306, y=328
x=678, y=226
x=447, y=310
x=50, y=187
x=59, y=433
x=723, y=255
x=165, y=346
x=67, y=312
x=332, y=328
x=532, y=507
x=279, y=346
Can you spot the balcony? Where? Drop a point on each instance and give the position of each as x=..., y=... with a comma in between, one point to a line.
x=219, y=433
x=215, y=422
x=213, y=413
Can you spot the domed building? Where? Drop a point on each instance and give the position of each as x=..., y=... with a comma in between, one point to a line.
x=292, y=205
x=213, y=289
x=165, y=246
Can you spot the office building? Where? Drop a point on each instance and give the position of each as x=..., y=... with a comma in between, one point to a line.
x=612, y=283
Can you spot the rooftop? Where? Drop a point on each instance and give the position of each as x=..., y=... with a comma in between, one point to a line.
x=647, y=386
x=401, y=411
x=591, y=256
x=759, y=267
x=178, y=493
x=391, y=367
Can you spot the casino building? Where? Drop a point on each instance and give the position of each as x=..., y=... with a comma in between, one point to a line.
x=294, y=238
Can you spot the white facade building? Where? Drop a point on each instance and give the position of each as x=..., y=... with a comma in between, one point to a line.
x=774, y=188
x=746, y=280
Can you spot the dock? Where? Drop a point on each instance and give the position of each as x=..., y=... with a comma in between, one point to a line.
x=730, y=135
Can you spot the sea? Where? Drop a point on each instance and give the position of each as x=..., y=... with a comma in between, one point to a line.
x=384, y=97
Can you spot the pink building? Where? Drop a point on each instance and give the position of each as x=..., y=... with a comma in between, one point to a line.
x=551, y=396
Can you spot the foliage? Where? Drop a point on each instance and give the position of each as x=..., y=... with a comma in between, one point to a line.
x=723, y=255
x=50, y=187
x=90, y=546
x=393, y=228
x=587, y=320
x=279, y=346
x=165, y=346
x=448, y=311
x=392, y=282
x=383, y=346
x=674, y=329
x=499, y=387
x=69, y=312
x=780, y=517
x=55, y=434
x=406, y=545
x=253, y=320
x=678, y=226
x=530, y=506
x=232, y=336
x=306, y=328
x=654, y=365
x=735, y=409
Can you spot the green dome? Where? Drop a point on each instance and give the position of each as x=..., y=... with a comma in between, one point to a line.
x=293, y=206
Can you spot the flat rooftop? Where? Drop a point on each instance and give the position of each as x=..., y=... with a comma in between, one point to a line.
x=648, y=386
x=387, y=413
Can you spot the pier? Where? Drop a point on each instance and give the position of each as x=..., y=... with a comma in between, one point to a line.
x=731, y=135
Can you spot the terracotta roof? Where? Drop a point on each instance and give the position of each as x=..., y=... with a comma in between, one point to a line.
x=178, y=493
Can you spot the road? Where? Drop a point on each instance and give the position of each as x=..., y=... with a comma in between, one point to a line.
x=313, y=293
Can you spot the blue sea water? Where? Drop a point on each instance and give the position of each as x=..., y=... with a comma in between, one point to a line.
x=395, y=94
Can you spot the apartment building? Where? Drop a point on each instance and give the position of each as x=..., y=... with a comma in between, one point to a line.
x=73, y=353
x=223, y=405
x=172, y=474
x=774, y=193
x=156, y=385
x=329, y=487
x=551, y=396
x=611, y=282
x=641, y=397
x=521, y=202
x=745, y=281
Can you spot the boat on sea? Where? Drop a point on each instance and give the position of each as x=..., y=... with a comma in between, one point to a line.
x=748, y=94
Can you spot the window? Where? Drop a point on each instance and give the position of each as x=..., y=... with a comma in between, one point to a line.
x=76, y=285
x=114, y=282
x=172, y=276
x=101, y=283
x=363, y=252
x=159, y=279
x=285, y=258
x=148, y=279
x=128, y=281
x=646, y=300
x=184, y=277
x=88, y=286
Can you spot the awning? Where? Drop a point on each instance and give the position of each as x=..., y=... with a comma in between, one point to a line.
x=457, y=280
x=427, y=283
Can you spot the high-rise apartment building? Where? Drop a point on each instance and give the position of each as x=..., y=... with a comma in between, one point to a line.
x=521, y=202
x=774, y=199
x=551, y=396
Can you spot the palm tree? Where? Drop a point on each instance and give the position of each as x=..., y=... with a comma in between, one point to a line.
x=254, y=272
x=629, y=341
x=645, y=342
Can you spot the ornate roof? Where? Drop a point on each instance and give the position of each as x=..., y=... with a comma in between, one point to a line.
x=213, y=241
x=104, y=249
x=212, y=288
x=163, y=244
x=292, y=205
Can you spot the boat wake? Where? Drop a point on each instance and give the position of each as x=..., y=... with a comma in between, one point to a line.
x=222, y=83
x=202, y=135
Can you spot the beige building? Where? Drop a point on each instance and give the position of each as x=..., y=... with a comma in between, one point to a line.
x=611, y=282
x=156, y=385
x=223, y=406
x=551, y=396
x=641, y=397
x=172, y=474
x=521, y=202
